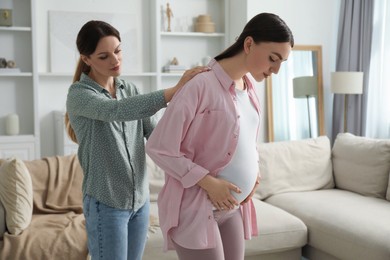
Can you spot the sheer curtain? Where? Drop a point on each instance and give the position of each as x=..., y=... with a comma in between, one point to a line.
x=378, y=100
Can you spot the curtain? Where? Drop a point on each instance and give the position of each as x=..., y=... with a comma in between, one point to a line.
x=378, y=107
x=353, y=54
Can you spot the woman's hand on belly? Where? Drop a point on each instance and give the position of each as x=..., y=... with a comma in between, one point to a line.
x=218, y=191
x=249, y=197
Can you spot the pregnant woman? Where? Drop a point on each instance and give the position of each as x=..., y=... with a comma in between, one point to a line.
x=206, y=144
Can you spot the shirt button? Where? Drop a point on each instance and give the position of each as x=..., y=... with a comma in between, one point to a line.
x=229, y=154
x=209, y=217
x=238, y=116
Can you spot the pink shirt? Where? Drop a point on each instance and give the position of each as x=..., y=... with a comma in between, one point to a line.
x=197, y=135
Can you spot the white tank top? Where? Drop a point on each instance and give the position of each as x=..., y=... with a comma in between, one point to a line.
x=243, y=169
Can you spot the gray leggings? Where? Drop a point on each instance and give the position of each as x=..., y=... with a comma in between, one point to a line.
x=230, y=240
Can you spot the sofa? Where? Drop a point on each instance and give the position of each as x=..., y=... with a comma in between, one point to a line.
x=41, y=209
x=314, y=201
x=342, y=195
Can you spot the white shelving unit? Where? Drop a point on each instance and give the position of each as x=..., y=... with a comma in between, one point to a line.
x=20, y=43
x=19, y=89
x=182, y=42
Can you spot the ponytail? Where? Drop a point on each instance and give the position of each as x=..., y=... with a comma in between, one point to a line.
x=81, y=67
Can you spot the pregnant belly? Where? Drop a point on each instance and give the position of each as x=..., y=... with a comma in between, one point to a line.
x=243, y=176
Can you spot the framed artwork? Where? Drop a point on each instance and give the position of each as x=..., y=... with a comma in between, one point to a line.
x=64, y=27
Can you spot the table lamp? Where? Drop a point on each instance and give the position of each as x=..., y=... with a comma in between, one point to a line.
x=305, y=87
x=346, y=82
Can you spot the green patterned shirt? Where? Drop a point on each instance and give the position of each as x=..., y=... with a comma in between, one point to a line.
x=111, y=135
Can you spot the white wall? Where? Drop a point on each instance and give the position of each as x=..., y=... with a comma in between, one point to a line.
x=313, y=22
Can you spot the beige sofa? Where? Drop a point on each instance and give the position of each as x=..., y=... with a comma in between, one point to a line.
x=282, y=235
x=314, y=201
x=342, y=196
x=322, y=203
x=41, y=209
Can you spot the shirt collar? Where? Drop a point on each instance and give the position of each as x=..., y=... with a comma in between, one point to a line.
x=221, y=75
x=84, y=78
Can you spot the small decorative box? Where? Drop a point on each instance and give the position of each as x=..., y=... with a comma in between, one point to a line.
x=5, y=17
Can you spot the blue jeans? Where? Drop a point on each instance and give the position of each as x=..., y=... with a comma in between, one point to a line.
x=115, y=234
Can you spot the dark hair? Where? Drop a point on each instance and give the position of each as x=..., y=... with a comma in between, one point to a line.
x=87, y=41
x=264, y=27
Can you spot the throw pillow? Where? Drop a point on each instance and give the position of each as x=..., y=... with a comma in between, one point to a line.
x=16, y=194
x=300, y=165
x=361, y=164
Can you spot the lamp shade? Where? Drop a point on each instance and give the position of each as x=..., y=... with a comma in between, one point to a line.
x=305, y=86
x=350, y=82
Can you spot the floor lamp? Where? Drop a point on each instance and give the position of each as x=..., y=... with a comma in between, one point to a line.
x=346, y=82
x=305, y=87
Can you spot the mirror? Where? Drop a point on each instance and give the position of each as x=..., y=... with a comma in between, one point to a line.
x=295, y=109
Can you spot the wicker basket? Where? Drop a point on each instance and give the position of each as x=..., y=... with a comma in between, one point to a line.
x=204, y=24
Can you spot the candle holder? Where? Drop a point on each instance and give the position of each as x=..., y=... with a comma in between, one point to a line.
x=12, y=124
x=5, y=17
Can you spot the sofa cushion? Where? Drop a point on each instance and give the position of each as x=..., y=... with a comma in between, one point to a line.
x=300, y=165
x=344, y=224
x=16, y=194
x=278, y=231
x=361, y=164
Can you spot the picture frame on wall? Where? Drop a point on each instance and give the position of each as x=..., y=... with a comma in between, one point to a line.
x=64, y=27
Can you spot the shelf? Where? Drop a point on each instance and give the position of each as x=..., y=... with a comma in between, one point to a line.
x=191, y=34
x=16, y=138
x=15, y=29
x=16, y=74
x=64, y=74
x=142, y=74
x=171, y=74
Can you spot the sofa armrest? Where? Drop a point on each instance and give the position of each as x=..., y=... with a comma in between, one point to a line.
x=2, y=220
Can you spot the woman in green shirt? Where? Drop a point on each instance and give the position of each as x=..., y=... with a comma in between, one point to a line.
x=110, y=119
